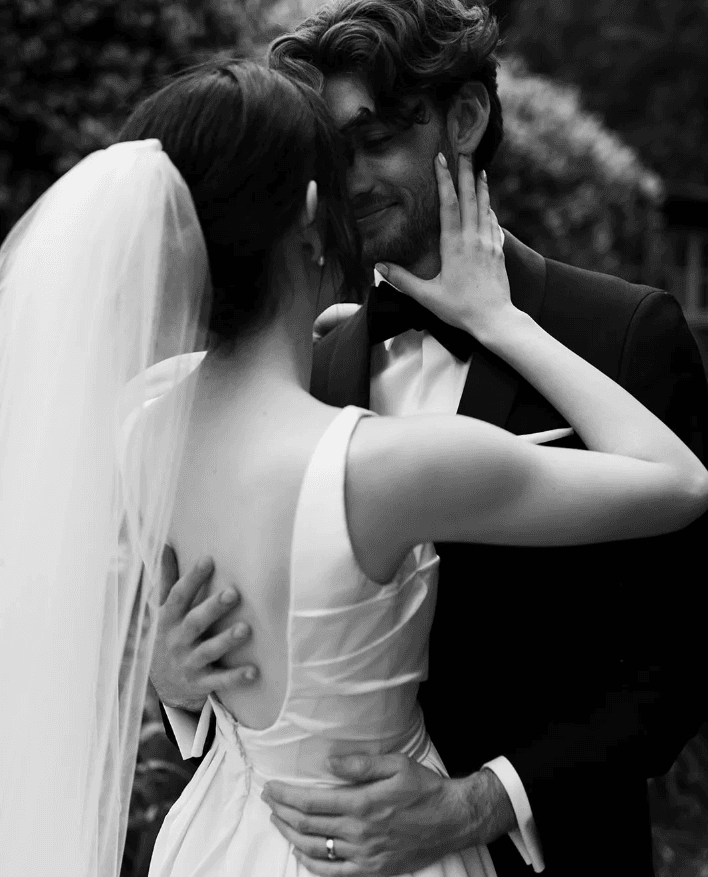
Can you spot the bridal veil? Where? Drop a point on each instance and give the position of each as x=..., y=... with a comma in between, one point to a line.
x=102, y=283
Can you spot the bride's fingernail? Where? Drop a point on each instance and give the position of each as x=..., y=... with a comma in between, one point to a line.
x=382, y=269
x=484, y=176
x=442, y=159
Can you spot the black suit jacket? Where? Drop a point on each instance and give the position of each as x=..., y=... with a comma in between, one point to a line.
x=582, y=665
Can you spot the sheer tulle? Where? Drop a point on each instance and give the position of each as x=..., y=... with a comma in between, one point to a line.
x=104, y=278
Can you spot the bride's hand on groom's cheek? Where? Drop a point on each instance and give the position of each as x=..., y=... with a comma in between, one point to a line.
x=186, y=650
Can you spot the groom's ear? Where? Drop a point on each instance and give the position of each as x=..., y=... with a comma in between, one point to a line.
x=468, y=117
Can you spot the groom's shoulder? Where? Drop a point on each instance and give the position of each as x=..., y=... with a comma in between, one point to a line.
x=570, y=287
x=596, y=314
x=567, y=296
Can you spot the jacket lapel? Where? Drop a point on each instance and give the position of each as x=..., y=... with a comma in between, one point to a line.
x=342, y=360
x=491, y=385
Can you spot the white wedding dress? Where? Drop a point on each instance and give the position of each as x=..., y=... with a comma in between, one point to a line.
x=357, y=652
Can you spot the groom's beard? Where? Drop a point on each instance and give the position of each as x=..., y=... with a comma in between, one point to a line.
x=411, y=230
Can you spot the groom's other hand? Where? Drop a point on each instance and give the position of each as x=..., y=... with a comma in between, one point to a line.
x=399, y=818
x=184, y=668
x=331, y=317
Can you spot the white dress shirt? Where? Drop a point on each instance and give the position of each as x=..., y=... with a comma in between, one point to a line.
x=414, y=374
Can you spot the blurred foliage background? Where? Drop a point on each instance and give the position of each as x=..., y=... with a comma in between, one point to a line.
x=70, y=71
x=641, y=64
x=568, y=186
x=604, y=106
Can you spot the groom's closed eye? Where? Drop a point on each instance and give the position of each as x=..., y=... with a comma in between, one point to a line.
x=373, y=144
x=370, y=139
x=366, y=131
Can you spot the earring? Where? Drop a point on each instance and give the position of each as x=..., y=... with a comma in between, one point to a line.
x=321, y=262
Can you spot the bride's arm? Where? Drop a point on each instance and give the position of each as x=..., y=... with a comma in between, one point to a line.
x=457, y=479
x=434, y=478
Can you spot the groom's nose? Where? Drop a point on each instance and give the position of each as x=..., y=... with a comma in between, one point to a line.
x=360, y=177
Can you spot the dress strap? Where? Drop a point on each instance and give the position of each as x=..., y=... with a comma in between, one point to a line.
x=321, y=546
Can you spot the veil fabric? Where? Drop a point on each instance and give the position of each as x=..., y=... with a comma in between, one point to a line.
x=103, y=295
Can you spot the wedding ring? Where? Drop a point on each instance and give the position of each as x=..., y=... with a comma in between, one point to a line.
x=329, y=843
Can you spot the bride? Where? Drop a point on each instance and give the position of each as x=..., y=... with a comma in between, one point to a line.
x=156, y=311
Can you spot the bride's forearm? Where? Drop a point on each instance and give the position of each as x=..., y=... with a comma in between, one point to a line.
x=607, y=417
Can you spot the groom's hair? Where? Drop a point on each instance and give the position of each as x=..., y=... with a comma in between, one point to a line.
x=400, y=48
x=247, y=141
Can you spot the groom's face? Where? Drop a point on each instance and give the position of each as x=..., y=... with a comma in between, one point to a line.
x=391, y=179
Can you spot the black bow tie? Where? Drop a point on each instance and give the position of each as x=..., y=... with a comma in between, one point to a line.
x=390, y=313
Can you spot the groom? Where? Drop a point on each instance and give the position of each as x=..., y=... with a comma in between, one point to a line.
x=560, y=679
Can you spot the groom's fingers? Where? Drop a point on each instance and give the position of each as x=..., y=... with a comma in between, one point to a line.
x=319, y=826
x=215, y=648
x=221, y=680
x=313, y=845
x=312, y=801
x=199, y=619
x=323, y=868
x=169, y=572
x=184, y=591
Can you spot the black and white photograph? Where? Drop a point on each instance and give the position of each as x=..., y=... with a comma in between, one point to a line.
x=353, y=438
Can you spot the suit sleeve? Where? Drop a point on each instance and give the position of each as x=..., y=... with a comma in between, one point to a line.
x=653, y=701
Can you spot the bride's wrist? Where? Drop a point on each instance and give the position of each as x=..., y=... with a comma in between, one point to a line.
x=497, y=330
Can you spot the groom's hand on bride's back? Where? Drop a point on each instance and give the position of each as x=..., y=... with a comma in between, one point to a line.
x=185, y=665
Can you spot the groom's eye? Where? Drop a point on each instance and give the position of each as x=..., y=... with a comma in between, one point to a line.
x=374, y=143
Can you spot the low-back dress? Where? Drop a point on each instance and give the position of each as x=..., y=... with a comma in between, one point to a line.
x=357, y=651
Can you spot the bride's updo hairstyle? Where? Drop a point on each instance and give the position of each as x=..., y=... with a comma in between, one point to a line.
x=247, y=140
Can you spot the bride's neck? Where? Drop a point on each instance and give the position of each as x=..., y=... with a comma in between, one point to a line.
x=274, y=361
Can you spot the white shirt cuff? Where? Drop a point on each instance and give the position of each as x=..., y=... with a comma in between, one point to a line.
x=526, y=837
x=190, y=732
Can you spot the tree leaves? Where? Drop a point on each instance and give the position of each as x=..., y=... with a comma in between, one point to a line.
x=641, y=64
x=70, y=72
x=568, y=186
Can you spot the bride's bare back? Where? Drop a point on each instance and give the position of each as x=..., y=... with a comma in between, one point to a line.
x=236, y=502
